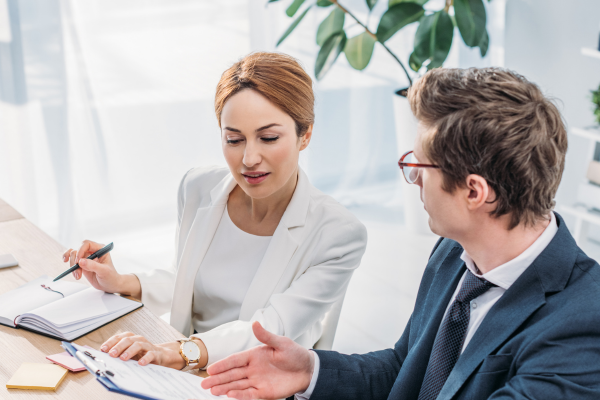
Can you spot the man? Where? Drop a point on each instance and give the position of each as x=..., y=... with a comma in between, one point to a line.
x=508, y=306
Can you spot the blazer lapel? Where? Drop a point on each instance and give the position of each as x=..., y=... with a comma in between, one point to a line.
x=282, y=248
x=548, y=273
x=196, y=245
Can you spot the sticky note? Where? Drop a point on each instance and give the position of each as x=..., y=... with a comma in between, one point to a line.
x=37, y=376
x=67, y=361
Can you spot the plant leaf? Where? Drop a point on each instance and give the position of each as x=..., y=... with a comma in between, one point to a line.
x=329, y=52
x=470, y=19
x=292, y=27
x=484, y=44
x=271, y=1
x=330, y=25
x=396, y=18
x=433, y=40
x=359, y=50
x=371, y=4
x=291, y=10
x=414, y=62
x=324, y=3
x=394, y=2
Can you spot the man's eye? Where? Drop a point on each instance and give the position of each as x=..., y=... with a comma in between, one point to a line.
x=270, y=139
x=233, y=141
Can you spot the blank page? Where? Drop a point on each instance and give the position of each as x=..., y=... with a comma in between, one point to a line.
x=32, y=295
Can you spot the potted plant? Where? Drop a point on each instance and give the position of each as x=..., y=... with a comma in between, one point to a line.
x=433, y=39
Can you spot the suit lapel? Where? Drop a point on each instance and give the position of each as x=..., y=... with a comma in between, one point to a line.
x=196, y=245
x=549, y=272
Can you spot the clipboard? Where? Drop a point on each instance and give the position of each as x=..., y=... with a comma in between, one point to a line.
x=101, y=373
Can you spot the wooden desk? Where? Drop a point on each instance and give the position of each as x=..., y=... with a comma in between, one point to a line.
x=38, y=254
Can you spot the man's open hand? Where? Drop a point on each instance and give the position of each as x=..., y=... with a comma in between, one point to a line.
x=276, y=370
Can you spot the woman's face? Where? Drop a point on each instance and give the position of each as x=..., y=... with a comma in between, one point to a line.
x=260, y=144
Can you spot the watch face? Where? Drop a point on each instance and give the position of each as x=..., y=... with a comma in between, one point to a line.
x=191, y=350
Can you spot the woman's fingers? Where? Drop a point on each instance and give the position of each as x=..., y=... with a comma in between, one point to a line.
x=66, y=255
x=113, y=340
x=147, y=358
x=137, y=348
x=88, y=247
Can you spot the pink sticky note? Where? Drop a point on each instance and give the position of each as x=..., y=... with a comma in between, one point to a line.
x=67, y=361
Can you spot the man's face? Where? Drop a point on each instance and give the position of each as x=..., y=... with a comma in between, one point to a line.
x=448, y=213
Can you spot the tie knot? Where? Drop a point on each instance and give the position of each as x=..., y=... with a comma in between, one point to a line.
x=472, y=288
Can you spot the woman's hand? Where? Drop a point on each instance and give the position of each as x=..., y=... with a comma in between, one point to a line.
x=128, y=346
x=101, y=272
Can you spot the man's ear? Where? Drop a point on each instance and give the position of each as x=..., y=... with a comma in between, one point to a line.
x=479, y=193
x=305, y=140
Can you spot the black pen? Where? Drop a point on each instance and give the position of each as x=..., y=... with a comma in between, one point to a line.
x=92, y=256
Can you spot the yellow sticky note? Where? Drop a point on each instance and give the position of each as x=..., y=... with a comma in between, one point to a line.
x=37, y=376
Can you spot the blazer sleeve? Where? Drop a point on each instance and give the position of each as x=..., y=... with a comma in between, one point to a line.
x=360, y=376
x=297, y=310
x=158, y=284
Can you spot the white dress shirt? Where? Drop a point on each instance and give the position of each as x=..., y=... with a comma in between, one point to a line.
x=232, y=253
x=502, y=276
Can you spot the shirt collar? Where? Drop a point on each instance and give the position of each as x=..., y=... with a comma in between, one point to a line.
x=506, y=274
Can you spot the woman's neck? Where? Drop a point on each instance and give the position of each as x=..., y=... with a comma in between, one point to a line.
x=260, y=216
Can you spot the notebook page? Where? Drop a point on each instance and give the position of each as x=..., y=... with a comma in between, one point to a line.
x=87, y=305
x=32, y=295
x=152, y=380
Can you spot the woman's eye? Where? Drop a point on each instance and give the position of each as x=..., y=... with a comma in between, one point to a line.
x=270, y=139
x=233, y=141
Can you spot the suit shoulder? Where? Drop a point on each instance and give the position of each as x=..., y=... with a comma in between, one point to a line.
x=202, y=180
x=331, y=214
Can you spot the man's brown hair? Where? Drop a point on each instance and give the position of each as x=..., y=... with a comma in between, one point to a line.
x=494, y=123
x=278, y=77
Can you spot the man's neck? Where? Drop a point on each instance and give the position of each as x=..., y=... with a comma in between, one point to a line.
x=492, y=244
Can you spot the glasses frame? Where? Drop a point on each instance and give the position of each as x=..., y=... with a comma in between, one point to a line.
x=403, y=164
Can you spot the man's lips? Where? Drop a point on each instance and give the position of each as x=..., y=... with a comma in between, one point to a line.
x=255, y=177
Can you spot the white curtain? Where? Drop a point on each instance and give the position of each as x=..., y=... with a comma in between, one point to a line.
x=104, y=104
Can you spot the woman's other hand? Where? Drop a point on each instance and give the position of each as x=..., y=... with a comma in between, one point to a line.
x=101, y=272
x=128, y=346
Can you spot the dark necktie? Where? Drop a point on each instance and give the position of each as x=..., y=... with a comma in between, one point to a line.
x=451, y=336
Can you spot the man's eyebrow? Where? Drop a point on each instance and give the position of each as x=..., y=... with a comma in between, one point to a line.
x=267, y=127
x=232, y=129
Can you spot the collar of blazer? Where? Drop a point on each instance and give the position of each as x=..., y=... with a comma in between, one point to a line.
x=281, y=249
x=549, y=273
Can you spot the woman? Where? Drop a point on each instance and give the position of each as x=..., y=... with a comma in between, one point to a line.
x=255, y=241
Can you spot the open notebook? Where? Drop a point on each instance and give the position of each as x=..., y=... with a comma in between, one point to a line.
x=62, y=310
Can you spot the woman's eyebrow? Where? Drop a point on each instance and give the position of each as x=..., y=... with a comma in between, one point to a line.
x=232, y=129
x=267, y=127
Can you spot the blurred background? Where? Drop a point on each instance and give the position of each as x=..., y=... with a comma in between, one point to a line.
x=104, y=105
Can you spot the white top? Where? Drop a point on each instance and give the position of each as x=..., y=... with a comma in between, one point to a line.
x=503, y=276
x=225, y=275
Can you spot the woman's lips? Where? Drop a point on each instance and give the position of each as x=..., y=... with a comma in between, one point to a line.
x=255, y=177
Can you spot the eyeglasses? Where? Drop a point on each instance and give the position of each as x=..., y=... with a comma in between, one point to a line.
x=410, y=166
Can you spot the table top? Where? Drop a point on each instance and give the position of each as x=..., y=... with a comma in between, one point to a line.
x=39, y=254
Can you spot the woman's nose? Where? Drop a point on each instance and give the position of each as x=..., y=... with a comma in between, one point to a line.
x=251, y=156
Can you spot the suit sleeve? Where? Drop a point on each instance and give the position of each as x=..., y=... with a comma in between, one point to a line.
x=297, y=310
x=158, y=284
x=360, y=376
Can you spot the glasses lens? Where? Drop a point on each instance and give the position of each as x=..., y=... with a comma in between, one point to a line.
x=411, y=173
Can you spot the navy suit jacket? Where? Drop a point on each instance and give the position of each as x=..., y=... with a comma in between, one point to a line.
x=541, y=340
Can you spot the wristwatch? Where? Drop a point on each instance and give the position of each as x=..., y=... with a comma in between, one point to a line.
x=190, y=351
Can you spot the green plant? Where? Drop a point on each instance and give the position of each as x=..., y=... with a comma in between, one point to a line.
x=596, y=101
x=432, y=40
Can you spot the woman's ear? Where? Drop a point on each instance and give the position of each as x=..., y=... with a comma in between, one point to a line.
x=478, y=192
x=305, y=140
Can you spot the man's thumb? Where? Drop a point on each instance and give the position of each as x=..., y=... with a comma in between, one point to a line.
x=264, y=336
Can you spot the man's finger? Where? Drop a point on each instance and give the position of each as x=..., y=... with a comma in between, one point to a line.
x=225, y=388
x=264, y=336
x=248, y=394
x=233, y=361
x=226, y=377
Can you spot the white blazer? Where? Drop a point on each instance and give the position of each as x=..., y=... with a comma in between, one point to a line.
x=305, y=271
